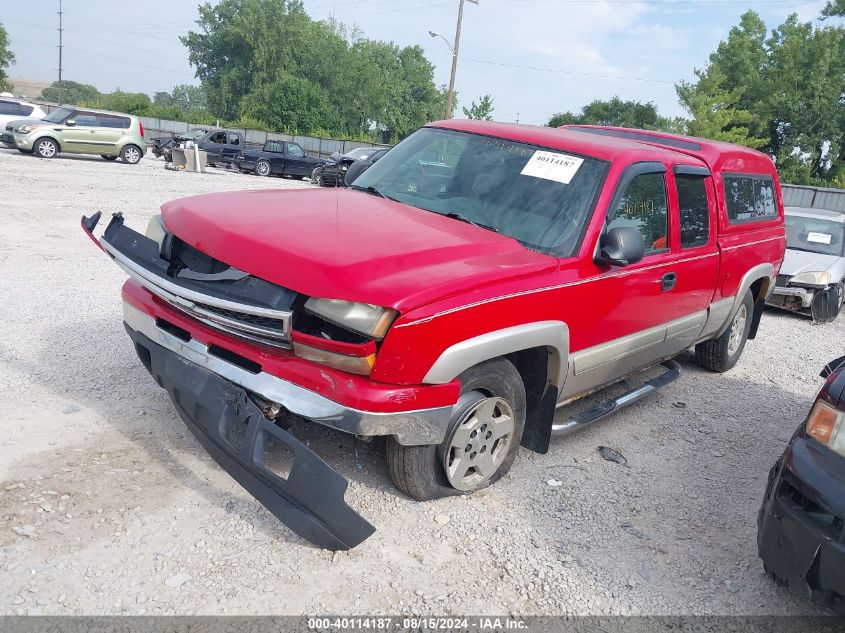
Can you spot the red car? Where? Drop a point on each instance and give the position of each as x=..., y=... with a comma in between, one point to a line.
x=478, y=277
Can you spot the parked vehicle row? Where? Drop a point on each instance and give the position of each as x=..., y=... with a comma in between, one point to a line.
x=163, y=145
x=278, y=158
x=475, y=279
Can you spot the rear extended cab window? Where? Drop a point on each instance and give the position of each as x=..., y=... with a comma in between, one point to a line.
x=749, y=197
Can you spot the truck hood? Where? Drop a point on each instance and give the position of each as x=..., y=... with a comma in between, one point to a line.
x=342, y=244
x=796, y=261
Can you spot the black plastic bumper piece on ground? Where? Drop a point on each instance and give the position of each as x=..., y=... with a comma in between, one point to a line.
x=220, y=415
x=800, y=533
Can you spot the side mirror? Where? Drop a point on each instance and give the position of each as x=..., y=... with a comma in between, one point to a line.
x=621, y=246
x=357, y=168
x=70, y=122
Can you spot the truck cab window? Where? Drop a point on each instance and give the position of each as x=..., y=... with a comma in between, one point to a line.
x=295, y=150
x=695, y=214
x=219, y=137
x=233, y=139
x=643, y=206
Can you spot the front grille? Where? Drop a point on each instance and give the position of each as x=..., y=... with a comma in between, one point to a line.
x=782, y=280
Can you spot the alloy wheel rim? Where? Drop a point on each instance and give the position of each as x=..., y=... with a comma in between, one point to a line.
x=46, y=148
x=132, y=155
x=263, y=168
x=737, y=330
x=479, y=443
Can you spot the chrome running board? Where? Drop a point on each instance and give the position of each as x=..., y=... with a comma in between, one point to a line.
x=605, y=408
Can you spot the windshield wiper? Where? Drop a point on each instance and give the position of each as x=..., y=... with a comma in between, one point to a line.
x=372, y=190
x=463, y=218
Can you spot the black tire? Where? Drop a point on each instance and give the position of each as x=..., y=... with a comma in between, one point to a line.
x=716, y=354
x=131, y=155
x=105, y=157
x=419, y=471
x=45, y=148
x=827, y=303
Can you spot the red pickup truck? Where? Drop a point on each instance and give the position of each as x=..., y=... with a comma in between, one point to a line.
x=477, y=278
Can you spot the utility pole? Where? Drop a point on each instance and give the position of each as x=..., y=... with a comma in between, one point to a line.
x=450, y=97
x=61, y=93
x=517, y=117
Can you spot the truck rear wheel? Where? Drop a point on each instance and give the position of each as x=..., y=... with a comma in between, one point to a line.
x=481, y=442
x=720, y=354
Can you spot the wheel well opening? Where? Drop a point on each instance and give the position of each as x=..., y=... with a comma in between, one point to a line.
x=533, y=367
x=757, y=289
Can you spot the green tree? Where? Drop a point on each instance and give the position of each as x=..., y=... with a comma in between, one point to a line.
x=164, y=99
x=616, y=112
x=482, y=110
x=250, y=53
x=715, y=113
x=7, y=58
x=129, y=102
x=834, y=8
x=72, y=92
x=189, y=98
x=782, y=94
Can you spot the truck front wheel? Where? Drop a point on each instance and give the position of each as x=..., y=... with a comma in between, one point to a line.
x=481, y=442
x=262, y=168
x=720, y=354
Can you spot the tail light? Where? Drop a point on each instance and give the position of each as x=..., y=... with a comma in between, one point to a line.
x=141, y=125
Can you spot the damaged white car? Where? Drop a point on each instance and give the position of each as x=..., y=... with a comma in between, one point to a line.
x=812, y=277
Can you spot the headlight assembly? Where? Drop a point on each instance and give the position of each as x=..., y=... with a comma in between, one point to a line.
x=811, y=279
x=26, y=129
x=365, y=318
x=825, y=425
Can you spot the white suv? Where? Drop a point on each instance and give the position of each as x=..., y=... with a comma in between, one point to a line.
x=14, y=109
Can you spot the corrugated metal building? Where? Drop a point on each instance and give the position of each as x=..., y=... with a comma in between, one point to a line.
x=814, y=197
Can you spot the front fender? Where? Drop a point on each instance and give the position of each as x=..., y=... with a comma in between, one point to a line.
x=553, y=335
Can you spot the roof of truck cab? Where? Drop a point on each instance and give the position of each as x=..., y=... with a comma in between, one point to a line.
x=610, y=143
x=603, y=147
x=711, y=152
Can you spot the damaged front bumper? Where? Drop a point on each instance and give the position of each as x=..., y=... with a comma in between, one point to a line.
x=228, y=424
x=800, y=534
x=791, y=297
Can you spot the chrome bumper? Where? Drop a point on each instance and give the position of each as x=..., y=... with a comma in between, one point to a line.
x=418, y=427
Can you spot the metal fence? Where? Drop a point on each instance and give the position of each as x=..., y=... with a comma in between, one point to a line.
x=814, y=197
x=322, y=147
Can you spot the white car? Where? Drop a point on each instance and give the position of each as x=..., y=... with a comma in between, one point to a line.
x=812, y=277
x=12, y=110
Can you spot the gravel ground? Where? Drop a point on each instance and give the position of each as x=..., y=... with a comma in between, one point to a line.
x=109, y=506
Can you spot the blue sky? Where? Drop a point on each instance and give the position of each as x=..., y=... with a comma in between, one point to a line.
x=535, y=57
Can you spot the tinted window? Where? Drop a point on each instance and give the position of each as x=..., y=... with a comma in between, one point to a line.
x=643, y=206
x=7, y=107
x=86, y=119
x=540, y=196
x=26, y=110
x=120, y=122
x=695, y=216
x=219, y=137
x=274, y=146
x=750, y=198
x=295, y=150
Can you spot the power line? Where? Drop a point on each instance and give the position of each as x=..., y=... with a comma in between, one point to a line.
x=565, y=72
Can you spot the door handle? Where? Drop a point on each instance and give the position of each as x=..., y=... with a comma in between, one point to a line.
x=668, y=281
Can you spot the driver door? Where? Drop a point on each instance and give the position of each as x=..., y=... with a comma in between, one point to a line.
x=296, y=164
x=625, y=327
